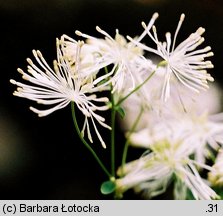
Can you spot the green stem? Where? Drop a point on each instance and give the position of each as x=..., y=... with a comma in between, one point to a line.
x=113, y=112
x=162, y=63
x=125, y=151
x=136, y=89
x=85, y=143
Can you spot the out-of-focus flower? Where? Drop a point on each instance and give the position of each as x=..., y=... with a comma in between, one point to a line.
x=216, y=174
x=184, y=63
x=152, y=173
x=61, y=86
x=181, y=101
x=203, y=132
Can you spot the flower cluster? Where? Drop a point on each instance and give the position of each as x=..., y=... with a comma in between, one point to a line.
x=176, y=125
x=180, y=129
x=152, y=173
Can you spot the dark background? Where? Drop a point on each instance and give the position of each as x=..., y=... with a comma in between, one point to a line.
x=42, y=158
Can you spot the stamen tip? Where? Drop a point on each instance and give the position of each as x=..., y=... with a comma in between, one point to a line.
x=167, y=34
x=20, y=70
x=208, y=48
x=98, y=28
x=211, y=79
x=34, y=52
x=12, y=81
x=58, y=41
x=29, y=61
x=154, y=28
x=25, y=77
x=155, y=16
x=78, y=33
x=128, y=37
x=200, y=30
x=144, y=25
x=182, y=17
x=39, y=53
x=210, y=54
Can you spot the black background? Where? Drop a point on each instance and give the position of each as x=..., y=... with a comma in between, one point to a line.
x=42, y=158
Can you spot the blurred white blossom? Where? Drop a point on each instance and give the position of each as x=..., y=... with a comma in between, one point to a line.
x=203, y=132
x=182, y=101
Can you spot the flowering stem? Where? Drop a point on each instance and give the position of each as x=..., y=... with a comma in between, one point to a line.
x=125, y=151
x=113, y=112
x=85, y=143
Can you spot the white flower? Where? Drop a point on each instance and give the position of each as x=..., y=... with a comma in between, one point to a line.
x=156, y=131
x=61, y=86
x=148, y=97
x=207, y=101
x=183, y=63
x=125, y=57
x=152, y=173
x=216, y=174
x=203, y=132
